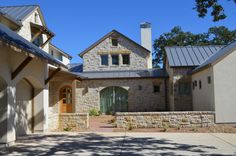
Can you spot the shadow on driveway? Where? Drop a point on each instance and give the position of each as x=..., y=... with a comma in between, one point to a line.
x=96, y=144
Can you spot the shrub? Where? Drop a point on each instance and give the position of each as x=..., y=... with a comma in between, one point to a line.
x=67, y=128
x=94, y=112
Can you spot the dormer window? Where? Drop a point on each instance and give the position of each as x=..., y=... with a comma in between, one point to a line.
x=114, y=42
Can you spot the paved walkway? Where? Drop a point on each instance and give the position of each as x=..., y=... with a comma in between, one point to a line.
x=102, y=123
x=124, y=144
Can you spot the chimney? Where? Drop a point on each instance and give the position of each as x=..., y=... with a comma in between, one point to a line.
x=146, y=40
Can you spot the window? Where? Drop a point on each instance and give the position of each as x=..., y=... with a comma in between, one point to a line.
x=195, y=83
x=115, y=59
x=140, y=87
x=114, y=42
x=104, y=60
x=52, y=53
x=125, y=59
x=38, y=41
x=193, y=86
x=200, y=84
x=36, y=18
x=156, y=88
x=209, y=80
x=184, y=88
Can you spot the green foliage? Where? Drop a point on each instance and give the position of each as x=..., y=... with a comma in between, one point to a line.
x=67, y=128
x=203, y=6
x=94, y=112
x=130, y=127
x=177, y=37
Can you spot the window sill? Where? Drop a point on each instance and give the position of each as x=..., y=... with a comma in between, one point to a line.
x=125, y=65
x=103, y=66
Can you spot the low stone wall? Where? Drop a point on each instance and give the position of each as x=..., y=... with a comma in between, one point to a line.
x=165, y=119
x=73, y=121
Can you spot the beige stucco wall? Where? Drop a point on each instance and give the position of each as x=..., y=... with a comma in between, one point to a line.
x=25, y=30
x=87, y=94
x=225, y=89
x=138, y=57
x=35, y=72
x=203, y=99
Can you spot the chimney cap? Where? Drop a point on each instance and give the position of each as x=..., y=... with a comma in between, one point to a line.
x=145, y=25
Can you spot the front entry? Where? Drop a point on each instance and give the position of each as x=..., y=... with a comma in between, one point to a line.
x=66, y=100
x=113, y=99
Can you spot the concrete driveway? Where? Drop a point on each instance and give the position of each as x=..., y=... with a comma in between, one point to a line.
x=124, y=144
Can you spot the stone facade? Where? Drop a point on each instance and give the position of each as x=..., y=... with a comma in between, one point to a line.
x=87, y=95
x=165, y=119
x=178, y=101
x=138, y=56
x=73, y=121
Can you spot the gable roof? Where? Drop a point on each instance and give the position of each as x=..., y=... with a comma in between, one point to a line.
x=108, y=35
x=21, y=12
x=64, y=53
x=217, y=56
x=183, y=56
x=10, y=37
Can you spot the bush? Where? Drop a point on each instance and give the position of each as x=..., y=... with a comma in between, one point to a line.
x=94, y=112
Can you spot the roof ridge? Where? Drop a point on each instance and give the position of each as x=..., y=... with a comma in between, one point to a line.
x=19, y=5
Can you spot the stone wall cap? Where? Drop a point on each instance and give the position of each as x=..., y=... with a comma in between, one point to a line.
x=163, y=113
x=74, y=114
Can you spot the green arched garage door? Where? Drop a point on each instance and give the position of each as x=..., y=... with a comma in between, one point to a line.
x=113, y=99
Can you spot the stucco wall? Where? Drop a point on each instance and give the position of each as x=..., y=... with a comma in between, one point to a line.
x=25, y=30
x=225, y=89
x=203, y=99
x=88, y=94
x=138, y=57
x=35, y=72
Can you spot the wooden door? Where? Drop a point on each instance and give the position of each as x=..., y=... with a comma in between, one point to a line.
x=66, y=100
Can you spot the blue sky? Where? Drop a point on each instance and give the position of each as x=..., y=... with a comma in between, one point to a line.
x=79, y=23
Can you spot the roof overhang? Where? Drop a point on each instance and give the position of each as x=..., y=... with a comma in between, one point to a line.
x=10, y=22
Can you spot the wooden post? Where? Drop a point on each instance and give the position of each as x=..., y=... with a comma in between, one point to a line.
x=21, y=67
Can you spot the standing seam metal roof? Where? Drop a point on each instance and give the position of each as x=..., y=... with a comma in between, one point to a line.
x=18, y=12
x=179, y=56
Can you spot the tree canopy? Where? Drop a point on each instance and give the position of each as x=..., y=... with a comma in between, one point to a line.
x=203, y=6
x=177, y=37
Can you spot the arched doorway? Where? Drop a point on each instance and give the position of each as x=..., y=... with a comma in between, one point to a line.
x=24, y=107
x=66, y=99
x=113, y=99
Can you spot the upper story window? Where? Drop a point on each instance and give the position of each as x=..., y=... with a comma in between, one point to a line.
x=125, y=59
x=52, y=53
x=38, y=41
x=104, y=60
x=114, y=42
x=115, y=59
x=200, y=84
x=36, y=18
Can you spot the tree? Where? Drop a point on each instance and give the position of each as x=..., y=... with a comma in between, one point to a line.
x=177, y=37
x=203, y=6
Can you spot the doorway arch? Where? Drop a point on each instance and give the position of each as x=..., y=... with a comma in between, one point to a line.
x=113, y=99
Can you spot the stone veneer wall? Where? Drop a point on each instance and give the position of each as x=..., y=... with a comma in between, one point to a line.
x=74, y=121
x=88, y=94
x=165, y=119
x=176, y=101
x=138, y=56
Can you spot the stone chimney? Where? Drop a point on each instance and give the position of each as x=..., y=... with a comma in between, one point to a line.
x=146, y=40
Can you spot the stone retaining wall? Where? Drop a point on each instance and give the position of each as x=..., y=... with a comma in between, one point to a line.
x=73, y=121
x=165, y=119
